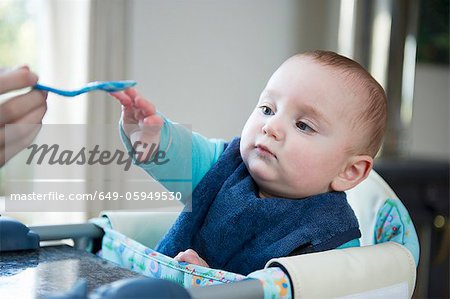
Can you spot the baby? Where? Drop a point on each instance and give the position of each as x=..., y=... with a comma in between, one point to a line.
x=278, y=190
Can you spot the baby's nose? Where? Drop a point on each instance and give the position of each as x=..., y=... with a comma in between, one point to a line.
x=274, y=128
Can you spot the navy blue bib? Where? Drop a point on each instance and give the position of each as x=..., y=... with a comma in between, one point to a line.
x=233, y=229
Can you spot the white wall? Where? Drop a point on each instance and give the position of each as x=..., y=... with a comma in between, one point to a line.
x=430, y=130
x=205, y=62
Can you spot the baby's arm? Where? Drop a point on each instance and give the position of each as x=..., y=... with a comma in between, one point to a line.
x=191, y=155
x=191, y=257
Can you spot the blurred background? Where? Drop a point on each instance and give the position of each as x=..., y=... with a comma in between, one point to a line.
x=204, y=63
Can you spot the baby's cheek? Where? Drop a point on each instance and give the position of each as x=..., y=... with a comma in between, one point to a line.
x=299, y=170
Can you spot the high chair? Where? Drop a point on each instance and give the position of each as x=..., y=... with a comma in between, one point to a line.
x=383, y=267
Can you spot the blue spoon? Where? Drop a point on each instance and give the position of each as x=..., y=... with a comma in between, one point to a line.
x=109, y=86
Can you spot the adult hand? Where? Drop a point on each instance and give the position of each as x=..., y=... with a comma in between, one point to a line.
x=27, y=109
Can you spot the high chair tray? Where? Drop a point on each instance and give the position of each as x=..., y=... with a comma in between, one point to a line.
x=52, y=270
x=55, y=270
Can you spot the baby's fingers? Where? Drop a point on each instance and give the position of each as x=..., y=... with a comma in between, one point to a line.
x=146, y=107
x=191, y=257
x=123, y=98
x=154, y=120
x=188, y=257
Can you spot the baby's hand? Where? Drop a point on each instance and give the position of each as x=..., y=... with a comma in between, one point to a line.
x=140, y=121
x=191, y=257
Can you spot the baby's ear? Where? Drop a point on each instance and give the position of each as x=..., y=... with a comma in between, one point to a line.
x=356, y=170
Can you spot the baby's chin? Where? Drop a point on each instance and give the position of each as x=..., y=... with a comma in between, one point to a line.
x=266, y=181
x=269, y=186
x=260, y=170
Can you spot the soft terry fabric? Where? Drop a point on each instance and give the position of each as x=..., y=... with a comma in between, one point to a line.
x=235, y=230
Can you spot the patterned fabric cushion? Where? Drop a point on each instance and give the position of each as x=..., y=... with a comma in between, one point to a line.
x=394, y=224
x=132, y=255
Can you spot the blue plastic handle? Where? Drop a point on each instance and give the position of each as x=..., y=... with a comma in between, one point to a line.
x=108, y=86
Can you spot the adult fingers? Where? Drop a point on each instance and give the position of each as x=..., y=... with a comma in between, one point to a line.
x=19, y=106
x=29, y=123
x=11, y=148
x=16, y=79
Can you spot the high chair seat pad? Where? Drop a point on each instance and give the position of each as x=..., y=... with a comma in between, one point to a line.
x=132, y=255
x=345, y=272
x=146, y=228
x=381, y=215
x=366, y=199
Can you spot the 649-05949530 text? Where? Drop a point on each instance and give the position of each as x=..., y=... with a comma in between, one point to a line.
x=98, y=195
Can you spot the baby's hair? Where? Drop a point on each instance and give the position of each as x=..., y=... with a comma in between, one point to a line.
x=372, y=119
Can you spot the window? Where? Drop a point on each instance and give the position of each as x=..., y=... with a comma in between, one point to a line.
x=52, y=38
x=18, y=40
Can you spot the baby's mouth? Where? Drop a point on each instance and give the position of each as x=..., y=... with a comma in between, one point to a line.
x=264, y=151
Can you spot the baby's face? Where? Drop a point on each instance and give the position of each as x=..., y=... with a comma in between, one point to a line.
x=296, y=140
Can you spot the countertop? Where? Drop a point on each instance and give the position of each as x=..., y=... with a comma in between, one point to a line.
x=53, y=270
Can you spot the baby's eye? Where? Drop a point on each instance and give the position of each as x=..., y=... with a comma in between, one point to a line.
x=304, y=127
x=266, y=110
